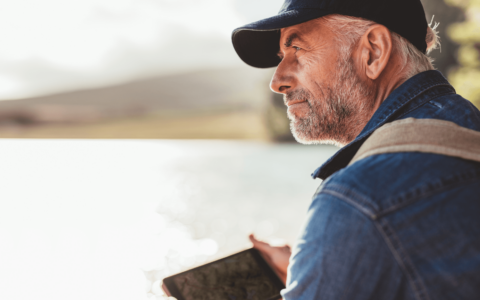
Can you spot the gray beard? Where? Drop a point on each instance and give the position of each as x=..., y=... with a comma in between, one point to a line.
x=338, y=117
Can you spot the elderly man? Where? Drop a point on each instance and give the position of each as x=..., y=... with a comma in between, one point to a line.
x=399, y=225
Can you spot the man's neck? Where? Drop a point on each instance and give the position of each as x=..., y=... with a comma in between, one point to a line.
x=390, y=80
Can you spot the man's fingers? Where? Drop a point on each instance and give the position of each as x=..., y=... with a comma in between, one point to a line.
x=271, y=255
x=262, y=246
x=267, y=247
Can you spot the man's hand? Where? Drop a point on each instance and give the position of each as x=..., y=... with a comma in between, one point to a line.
x=277, y=257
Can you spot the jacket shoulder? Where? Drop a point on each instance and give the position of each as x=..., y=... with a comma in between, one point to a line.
x=384, y=183
x=451, y=107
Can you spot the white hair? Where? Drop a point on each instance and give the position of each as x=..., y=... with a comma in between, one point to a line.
x=350, y=29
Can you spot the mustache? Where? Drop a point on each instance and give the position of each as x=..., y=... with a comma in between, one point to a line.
x=300, y=94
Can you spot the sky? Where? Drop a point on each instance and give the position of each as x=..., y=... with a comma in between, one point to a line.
x=49, y=46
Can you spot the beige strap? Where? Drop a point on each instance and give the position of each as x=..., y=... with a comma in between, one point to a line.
x=422, y=135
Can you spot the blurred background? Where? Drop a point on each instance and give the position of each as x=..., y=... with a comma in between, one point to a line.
x=136, y=144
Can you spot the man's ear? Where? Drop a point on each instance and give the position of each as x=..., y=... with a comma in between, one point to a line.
x=375, y=49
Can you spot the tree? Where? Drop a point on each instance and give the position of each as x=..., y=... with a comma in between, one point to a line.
x=466, y=77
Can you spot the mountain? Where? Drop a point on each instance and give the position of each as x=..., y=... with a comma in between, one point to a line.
x=220, y=89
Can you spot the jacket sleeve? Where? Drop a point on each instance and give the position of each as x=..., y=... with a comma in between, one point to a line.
x=340, y=254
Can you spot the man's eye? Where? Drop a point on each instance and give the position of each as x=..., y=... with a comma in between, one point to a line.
x=297, y=48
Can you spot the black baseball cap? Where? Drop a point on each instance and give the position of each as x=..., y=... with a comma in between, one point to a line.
x=257, y=43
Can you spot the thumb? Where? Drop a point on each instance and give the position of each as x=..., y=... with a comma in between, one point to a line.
x=262, y=246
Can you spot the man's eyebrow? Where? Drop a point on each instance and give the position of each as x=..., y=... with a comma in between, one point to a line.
x=288, y=42
x=293, y=37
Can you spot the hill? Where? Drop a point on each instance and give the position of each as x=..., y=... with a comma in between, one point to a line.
x=224, y=89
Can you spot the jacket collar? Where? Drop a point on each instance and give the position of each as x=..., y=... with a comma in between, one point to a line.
x=413, y=93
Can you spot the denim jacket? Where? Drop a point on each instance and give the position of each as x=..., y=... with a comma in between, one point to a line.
x=394, y=226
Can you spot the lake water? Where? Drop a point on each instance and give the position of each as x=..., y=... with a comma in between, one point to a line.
x=107, y=219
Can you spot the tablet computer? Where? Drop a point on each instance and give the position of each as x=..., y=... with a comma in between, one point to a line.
x=241, y=276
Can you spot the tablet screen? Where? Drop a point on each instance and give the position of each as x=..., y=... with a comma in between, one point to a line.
x=244, y=275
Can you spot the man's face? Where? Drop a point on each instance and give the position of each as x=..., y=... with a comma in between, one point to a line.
x=327, y=101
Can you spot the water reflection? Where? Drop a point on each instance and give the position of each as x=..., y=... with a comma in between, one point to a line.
x=219, y=198
x=118, y=216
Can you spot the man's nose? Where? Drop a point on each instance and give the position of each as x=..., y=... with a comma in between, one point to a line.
x=282, y=80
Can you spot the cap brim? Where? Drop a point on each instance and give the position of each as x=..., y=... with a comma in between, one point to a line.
x=258, y=43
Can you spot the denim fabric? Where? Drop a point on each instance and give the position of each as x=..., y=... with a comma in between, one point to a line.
x=394, y=226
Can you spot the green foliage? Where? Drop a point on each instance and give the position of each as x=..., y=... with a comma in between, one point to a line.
x=466, y=78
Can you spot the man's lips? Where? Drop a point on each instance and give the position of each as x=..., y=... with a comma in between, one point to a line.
x=292, y=102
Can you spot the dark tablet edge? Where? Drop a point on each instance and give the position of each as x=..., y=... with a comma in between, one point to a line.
x=270, y=272
x=170, y=287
